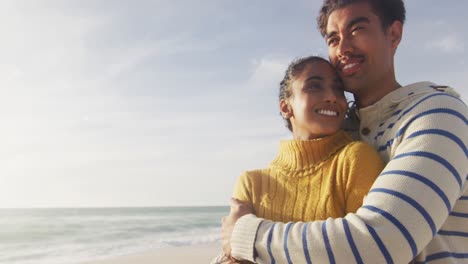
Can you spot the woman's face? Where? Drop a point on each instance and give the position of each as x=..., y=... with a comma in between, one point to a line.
x=317, y=105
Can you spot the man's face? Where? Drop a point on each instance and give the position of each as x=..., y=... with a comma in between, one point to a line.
x=359, y=49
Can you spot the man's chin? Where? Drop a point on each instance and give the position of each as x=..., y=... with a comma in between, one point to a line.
x=351, y=89
x=351, y=85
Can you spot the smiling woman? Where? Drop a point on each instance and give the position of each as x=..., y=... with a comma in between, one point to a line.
x=321, y=173
x=315, y=105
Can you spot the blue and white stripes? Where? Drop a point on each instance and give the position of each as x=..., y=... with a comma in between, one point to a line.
x=350, y=239
x=435, y=158
x=305, y=246
x=417, y=208
x=331, y=256
x=412, y=202
x=285, y=243
x=382, y=247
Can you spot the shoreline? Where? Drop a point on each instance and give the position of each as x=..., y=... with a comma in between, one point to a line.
x=194, y=254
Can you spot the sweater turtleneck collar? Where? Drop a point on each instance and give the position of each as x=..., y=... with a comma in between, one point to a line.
x=300, y=155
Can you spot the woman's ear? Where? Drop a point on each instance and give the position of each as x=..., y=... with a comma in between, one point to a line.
x=285, y=109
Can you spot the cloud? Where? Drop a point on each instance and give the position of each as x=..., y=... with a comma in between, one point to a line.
x=127, y=102
x=456, y=78
x=448, y=44
x=123, y=60
x=267, y=72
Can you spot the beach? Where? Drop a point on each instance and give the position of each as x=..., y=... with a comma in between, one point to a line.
x=110, y=235
x=187, y=254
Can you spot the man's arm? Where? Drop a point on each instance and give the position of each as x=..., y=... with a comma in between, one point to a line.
x=405, y=208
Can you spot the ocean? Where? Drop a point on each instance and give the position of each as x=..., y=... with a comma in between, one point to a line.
x=76, y=235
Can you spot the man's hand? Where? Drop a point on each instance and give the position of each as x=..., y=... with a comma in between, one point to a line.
x=238, y=209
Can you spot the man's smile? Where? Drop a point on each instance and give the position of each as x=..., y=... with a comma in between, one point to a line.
x=350, y=66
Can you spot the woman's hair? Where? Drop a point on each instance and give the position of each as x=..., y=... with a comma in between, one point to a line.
x=292, y=72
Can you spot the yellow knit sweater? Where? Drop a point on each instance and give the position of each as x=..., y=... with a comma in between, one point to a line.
x=311, y=180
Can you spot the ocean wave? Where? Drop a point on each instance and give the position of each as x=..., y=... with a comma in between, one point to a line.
x=70, y=236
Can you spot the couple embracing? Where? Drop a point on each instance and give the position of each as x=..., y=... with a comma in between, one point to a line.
x=400, y=197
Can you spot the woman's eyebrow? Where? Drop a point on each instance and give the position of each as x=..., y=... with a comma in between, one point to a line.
x=314, y=77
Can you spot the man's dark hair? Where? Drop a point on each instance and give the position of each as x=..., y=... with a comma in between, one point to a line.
x=292, y=72
x=387, y=10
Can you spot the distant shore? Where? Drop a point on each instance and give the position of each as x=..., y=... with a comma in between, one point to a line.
x=199, y=254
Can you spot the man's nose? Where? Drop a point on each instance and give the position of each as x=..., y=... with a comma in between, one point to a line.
x=344, y=48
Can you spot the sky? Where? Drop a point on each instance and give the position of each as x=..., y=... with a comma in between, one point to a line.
x=166, y=102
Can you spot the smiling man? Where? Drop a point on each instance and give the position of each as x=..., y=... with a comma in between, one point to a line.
x=362, y=48
x=417, y=209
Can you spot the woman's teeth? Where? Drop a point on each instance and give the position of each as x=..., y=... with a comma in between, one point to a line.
x=327, y=112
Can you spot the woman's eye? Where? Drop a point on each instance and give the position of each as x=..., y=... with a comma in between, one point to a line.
x=314, y=87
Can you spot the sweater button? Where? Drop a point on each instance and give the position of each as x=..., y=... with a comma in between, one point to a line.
x=365, y=131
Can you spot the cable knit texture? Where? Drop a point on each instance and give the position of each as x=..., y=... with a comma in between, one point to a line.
x=312, y=179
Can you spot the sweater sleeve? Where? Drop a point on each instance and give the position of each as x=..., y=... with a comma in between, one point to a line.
x=363, y=165
x=405, y=208
x=243, y=188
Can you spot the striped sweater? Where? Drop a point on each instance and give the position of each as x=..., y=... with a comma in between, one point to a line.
x=417, y=209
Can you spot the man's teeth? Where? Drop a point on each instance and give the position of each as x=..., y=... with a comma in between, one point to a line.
x=327, y=112
x=347, y=66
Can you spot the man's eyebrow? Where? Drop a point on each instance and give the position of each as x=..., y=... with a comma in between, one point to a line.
x=357, y=20
x=350, y=25
x=331, y=34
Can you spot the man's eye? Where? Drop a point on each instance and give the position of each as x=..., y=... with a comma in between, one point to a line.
x=332, y=41
x=357, y=29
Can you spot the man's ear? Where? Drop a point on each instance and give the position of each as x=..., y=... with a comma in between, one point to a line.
x=395, y=33
x=285, y=109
